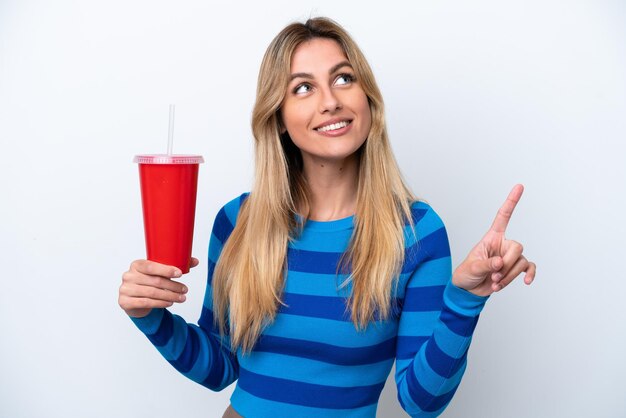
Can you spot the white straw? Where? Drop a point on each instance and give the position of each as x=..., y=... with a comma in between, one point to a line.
x=170, y=135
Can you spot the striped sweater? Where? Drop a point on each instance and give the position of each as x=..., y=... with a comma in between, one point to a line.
x=311, y=361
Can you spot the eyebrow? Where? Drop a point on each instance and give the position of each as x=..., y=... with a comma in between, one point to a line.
x=331, y=71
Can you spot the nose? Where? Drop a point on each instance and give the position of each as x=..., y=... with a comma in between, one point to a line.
x=329, y=102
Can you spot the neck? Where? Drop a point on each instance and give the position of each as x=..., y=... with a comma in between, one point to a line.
x=333, y=188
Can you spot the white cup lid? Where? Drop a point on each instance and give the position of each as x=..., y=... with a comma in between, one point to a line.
x=168, y=159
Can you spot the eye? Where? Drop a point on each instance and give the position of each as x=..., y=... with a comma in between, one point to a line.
x=343, y=79
x=302, y=88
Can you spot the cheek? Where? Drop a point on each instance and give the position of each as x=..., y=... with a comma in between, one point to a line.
x=366, y=116
x=294, y=119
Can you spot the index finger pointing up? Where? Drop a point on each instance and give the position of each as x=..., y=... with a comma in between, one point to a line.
x=504, y=213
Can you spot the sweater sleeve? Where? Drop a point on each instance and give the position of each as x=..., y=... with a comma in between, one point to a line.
x=197, y=350
x=436, y=323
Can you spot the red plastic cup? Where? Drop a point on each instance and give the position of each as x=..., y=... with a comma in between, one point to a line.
x=168, y=195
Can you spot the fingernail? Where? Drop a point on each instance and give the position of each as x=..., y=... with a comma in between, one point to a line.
x=182, y=298
x=177, y=273
x=497, y=276
x=184, y=289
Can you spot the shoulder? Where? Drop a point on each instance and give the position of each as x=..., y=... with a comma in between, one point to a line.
x=425, y=219
x=227, y=217
x=231, y=209
x=428, y=240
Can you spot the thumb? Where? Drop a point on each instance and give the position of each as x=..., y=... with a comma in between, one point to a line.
x=194, y=262
x=483, y=267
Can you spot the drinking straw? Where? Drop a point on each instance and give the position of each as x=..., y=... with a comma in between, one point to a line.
x=170, y=135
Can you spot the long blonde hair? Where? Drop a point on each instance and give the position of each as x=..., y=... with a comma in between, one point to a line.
x=249, y=277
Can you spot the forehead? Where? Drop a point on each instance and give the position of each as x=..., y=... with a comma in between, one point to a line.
x=318, y=53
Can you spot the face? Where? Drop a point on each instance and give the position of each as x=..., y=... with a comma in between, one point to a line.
x=325, y=110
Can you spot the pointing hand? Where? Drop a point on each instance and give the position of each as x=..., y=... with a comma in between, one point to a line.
x=495, y=261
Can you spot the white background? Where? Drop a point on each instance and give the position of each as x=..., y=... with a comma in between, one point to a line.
x=480, y=95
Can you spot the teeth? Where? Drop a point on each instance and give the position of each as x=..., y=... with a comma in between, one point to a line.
x=333, y=126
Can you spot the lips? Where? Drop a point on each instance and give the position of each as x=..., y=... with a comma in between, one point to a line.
x=333, y=125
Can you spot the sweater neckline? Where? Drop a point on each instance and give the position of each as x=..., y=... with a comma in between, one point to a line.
x=333, y=225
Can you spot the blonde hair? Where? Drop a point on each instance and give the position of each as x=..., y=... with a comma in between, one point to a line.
x=249, y=276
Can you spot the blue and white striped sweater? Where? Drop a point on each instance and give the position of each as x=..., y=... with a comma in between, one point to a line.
x=311, y=362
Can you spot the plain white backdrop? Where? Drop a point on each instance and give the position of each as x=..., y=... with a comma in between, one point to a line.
x=480, y=95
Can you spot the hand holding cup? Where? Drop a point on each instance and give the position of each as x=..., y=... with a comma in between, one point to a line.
x=148, y=285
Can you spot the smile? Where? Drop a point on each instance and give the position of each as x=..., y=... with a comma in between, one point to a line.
x=333, y=126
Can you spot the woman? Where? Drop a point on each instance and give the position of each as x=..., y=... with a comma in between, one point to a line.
x=329, y=270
